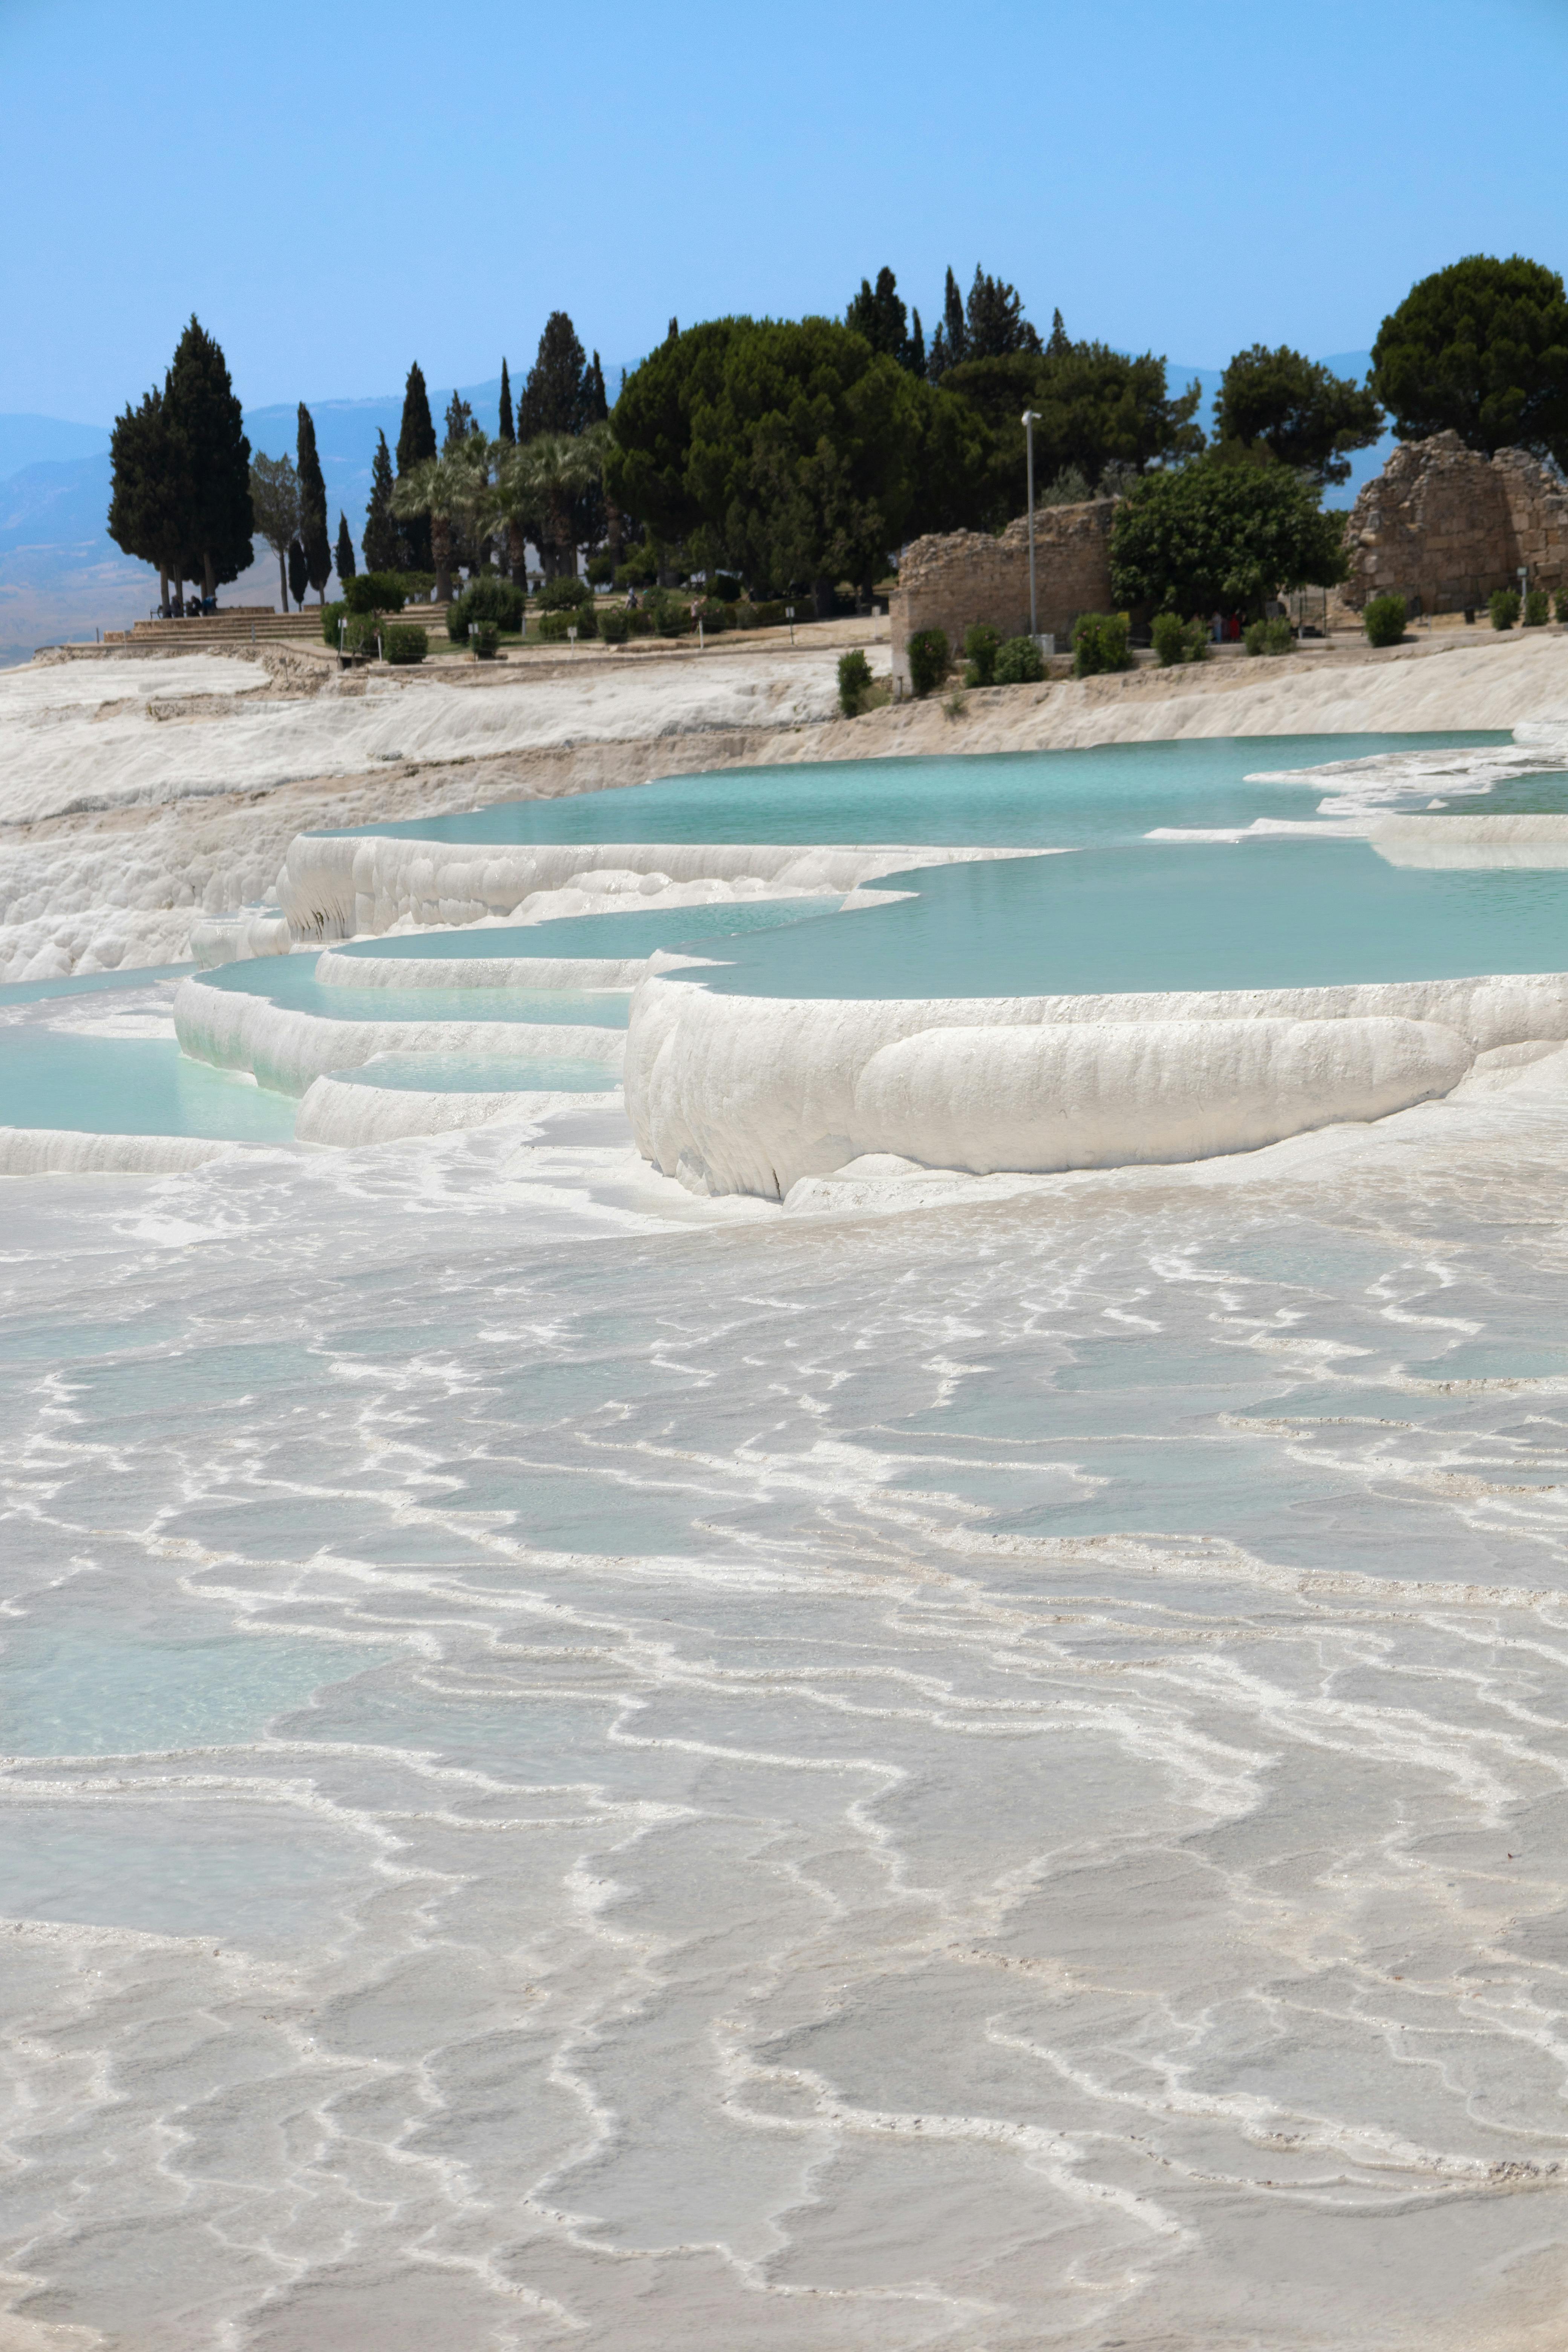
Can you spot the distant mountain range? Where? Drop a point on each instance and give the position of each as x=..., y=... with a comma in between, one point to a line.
x=61, y=576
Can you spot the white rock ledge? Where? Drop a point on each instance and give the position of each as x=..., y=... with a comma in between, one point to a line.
x=64, y=1152
x=286, y=1049
x=338, y=1112
x=338, y=886
x=338, y=971
x=735, y=1094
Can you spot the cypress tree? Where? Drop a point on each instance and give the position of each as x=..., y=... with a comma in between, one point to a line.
x=598, y=406
x=383, y=549
x=459, y=422
x=416, y=436
x=205, y=420
x=298, y=574
x=313, y=536
x=416, y=442
x=508, y=429
x=343, y=560
x=147, y=491
x=1059, y=343
x=916, y=357
x=556, y=397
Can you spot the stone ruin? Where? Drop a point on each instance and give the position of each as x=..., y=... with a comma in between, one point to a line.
x=952, y=579
x=1444, y=525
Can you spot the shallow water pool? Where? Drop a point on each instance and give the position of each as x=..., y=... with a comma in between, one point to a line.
x=1112, y=792
x=1257, y=914
x=290, y=981
x=640, y=932
x=131, y=1086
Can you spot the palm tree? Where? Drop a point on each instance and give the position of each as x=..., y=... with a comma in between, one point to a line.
x=540, y=480
x=452, y=489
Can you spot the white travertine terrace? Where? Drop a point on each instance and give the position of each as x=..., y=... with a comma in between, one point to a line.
x=286, y=1049
x=251, y=932
x=336, y=1111
x=337, y=970
x=736, y=1093
x=339, y=886
x=1471, y=842
x=64, y=1151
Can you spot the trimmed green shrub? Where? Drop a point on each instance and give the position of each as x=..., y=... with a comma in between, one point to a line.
x=726, y=587
x=376, y=592
x=558, y=595
x=1176, y=640
x=1100, y=643
x=1255, y=637
x=360, y=634
x=484, y=636
x=929, y=660
x=1504, y=606
x=1279, y=636
x=1169, y=635
x=640, y=622
x=485, y=600
x=772, y=612
x=615, y=624
x=601, y=570
x=331, y=616
x=1384, y=620
x=982, y=643
x=1535, y=609
x=1562, y=604
x=404, y=641
x=1019, y=662
x=854, y=682
x=715, y=613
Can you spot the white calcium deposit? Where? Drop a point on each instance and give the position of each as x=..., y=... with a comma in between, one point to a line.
x=336, y=887
x=752, y=1094
x=337, y=1112
x=285, y=1049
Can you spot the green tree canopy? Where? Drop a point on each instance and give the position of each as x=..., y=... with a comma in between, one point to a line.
x=275, y=502
x=205, y=418
x=1095, y=407
x=1211, y=536
x=878, y=312
x=415, y=443
x=384, y=551
x=1292, y=407
x=990, y=325
x=790, y=451
x=558, y=395
x=507, y=424
x=1479, y=349
x=148, y=496
x=343, y=554
x=314, y=536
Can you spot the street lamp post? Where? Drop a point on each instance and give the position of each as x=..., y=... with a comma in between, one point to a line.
x=1031, y=419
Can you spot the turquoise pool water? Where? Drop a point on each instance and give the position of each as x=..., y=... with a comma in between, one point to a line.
x=462, y=1073
x=290, y=981
x=89, y=983
x=131, y=1086
x=1257, y=914
x=637, y=932
x=1112, y=792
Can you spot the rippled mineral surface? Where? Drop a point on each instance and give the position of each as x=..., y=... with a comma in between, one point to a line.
x=988, y=1778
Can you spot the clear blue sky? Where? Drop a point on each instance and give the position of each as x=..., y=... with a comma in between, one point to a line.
x=336, y=190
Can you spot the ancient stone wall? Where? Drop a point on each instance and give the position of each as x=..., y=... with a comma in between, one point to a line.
x=1445, y=524
x=952, y=579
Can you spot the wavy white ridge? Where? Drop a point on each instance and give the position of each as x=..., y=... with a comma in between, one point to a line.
x=335, y=1111
x=752, y=1093
x=286, y=1049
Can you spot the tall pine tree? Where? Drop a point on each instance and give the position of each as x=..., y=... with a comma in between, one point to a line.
x=556, y=397
x=147, y=495
x=459, y=422
x=508, y=429
x=343, y=559
x=383, y=549
x=205, y=421
x=598, y=404
x=313, y=536
x=416, y=442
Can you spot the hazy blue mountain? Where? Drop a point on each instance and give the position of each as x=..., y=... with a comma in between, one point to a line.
x=46, y=440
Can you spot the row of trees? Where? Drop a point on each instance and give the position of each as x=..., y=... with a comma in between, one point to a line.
x=799, y=453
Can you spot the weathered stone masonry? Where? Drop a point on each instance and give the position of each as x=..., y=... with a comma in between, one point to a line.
x=951, y=580
x=1446, y=524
